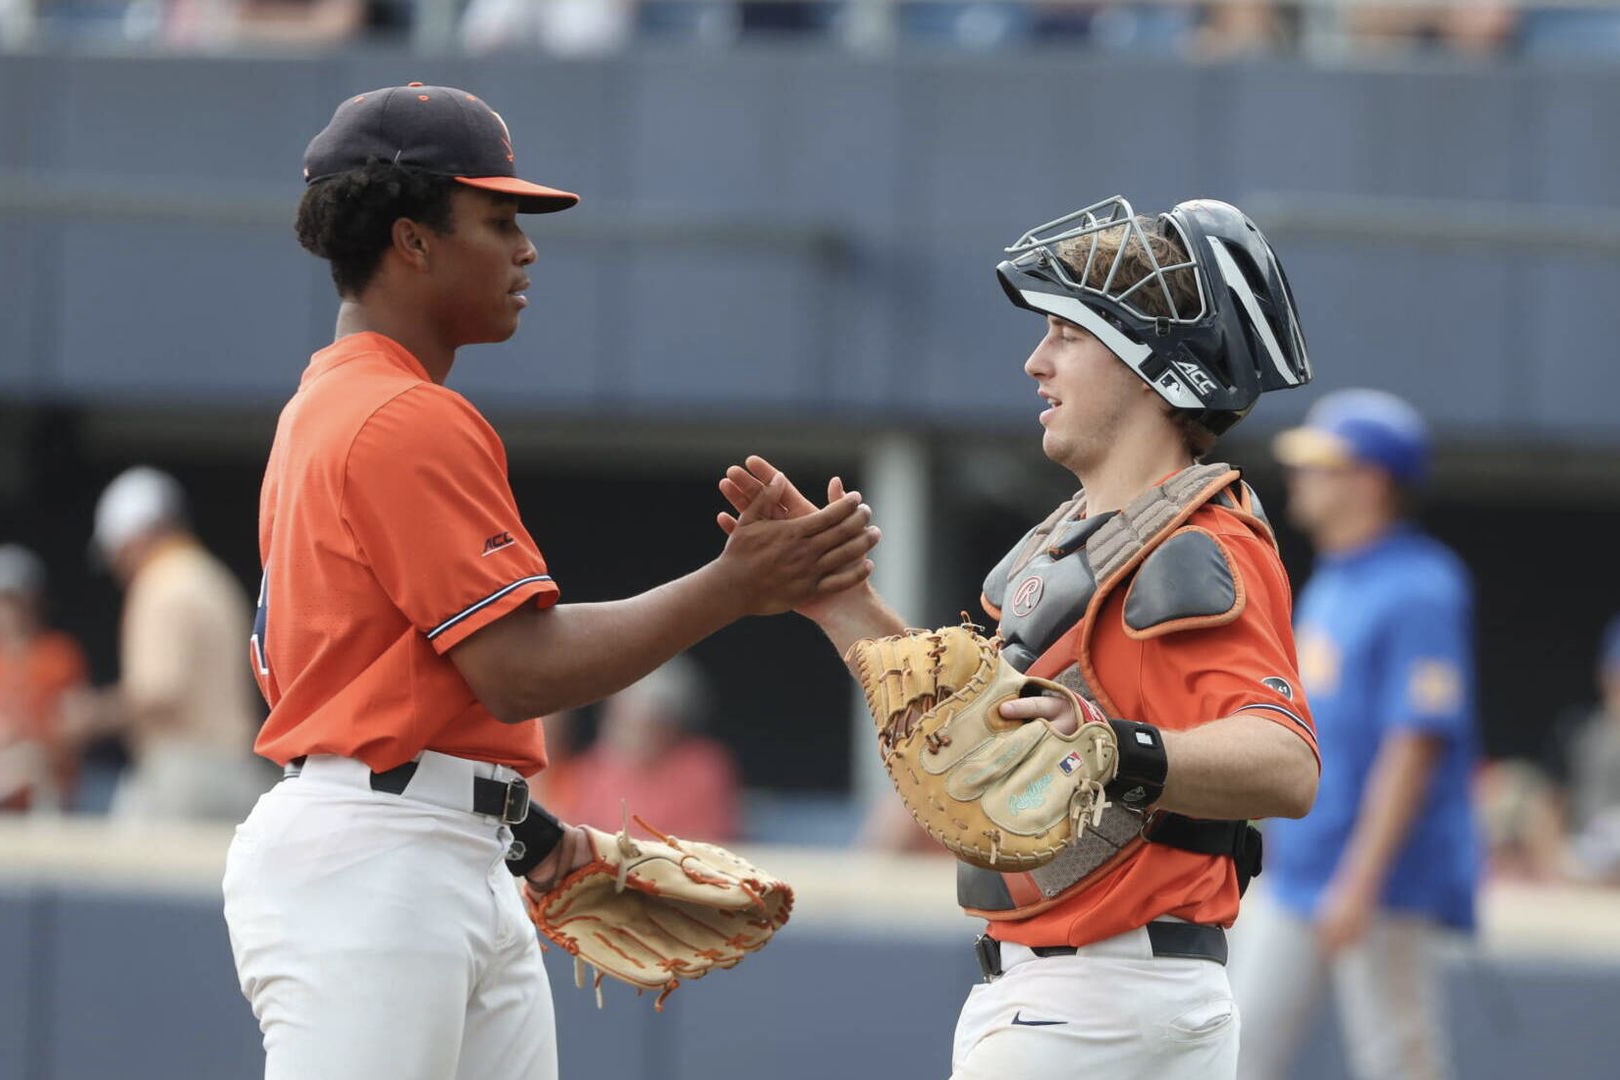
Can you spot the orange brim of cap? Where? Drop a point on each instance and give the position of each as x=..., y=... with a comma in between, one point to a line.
x=532, y=198
x=1306, y=448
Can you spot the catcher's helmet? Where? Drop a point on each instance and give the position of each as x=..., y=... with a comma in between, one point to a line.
x=1244, y=338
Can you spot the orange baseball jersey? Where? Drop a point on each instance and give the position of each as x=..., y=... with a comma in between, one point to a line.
x=1178, y=681
x=33, y=681
x=388, y=534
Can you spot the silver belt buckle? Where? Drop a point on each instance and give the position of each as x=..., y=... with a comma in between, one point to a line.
x=988, y=952
x=516, y=808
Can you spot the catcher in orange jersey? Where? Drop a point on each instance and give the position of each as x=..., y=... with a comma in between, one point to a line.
x=408, y=632
x=1155, y=596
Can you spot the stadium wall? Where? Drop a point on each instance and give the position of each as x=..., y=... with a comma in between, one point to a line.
x=809, y=233
x=114, y=961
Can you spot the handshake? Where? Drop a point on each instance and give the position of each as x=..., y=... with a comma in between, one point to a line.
x=1002, y=769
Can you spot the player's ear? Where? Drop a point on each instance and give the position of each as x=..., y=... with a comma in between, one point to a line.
x=410, y=242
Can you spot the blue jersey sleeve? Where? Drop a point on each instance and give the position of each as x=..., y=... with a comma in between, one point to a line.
x=1428, y=669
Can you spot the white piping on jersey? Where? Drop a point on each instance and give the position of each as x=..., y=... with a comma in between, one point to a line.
x=1278, y=708
x=485, y=602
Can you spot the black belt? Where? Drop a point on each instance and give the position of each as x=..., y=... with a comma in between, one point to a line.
x=1186, y=940
x=504, y=799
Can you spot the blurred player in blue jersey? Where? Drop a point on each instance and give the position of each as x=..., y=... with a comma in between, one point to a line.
x=1371, y=889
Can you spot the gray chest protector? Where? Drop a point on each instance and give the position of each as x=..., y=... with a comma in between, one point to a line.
x=1048, y=591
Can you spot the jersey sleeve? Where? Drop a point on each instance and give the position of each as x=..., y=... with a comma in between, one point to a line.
x=1427, y=668
x=429, y=508
x=1247, y=665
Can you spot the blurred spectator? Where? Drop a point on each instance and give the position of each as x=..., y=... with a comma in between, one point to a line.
x=184, y=24
x=648, y=755
x=1372, y=887
x=786, y=16
x=1594, y=773
x=1523, y=826
x=1479, y=27
x=562, y=27
x=38, y=668
x=16, y=23
x=1161, y=29
x=184, y=700
x=1244, y=27
x=1568, y=34
x=298, y=22
x=982, y=25
x=724, y=21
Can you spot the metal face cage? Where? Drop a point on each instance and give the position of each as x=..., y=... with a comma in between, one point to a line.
x=1040, y=247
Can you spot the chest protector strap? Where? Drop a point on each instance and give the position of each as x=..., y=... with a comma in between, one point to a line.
x=1048, y=591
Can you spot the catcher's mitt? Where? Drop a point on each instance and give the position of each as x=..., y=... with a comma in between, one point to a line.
x=1001, y=794
x=654, y=912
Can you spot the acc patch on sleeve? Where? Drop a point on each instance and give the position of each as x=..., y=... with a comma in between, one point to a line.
x=1188, y=583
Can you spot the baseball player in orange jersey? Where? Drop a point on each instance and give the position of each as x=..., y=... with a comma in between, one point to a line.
x=408, y=629
x=1157, y=592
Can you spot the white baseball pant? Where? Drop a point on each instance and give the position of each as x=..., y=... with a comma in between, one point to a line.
x=382, y=935
x=1113, y=1009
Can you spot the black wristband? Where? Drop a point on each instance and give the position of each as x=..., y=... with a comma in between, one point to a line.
x=1139, y=781
x=533, y=838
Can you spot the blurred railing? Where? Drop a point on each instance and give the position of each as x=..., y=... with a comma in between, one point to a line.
x=29, y=195
x=854, y=889
x=1502, y=227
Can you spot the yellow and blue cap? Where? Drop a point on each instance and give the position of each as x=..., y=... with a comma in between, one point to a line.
x=1359, y=427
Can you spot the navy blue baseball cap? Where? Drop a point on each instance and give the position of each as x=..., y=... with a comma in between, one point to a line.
x=1359, y=427
x=438, y=129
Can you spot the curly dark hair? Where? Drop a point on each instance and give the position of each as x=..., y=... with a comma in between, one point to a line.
x=347, y=219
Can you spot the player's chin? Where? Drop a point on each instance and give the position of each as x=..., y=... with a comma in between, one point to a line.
x=498, y=329
x=1065, y=451
x=1054, y=446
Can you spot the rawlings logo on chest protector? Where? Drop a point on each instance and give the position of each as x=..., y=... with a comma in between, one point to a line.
x=1028, y=595
x=1052, y=595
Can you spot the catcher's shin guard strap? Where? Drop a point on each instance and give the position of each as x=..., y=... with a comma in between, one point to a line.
x=1139, y=780
x=533, y=838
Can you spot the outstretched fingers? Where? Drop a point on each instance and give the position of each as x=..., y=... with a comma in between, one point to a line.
x=843, y=563
x=847, y=512
x=853, y=547
x=760, y=507
x=743, y=484
x=843, y=579
x=739, y=487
